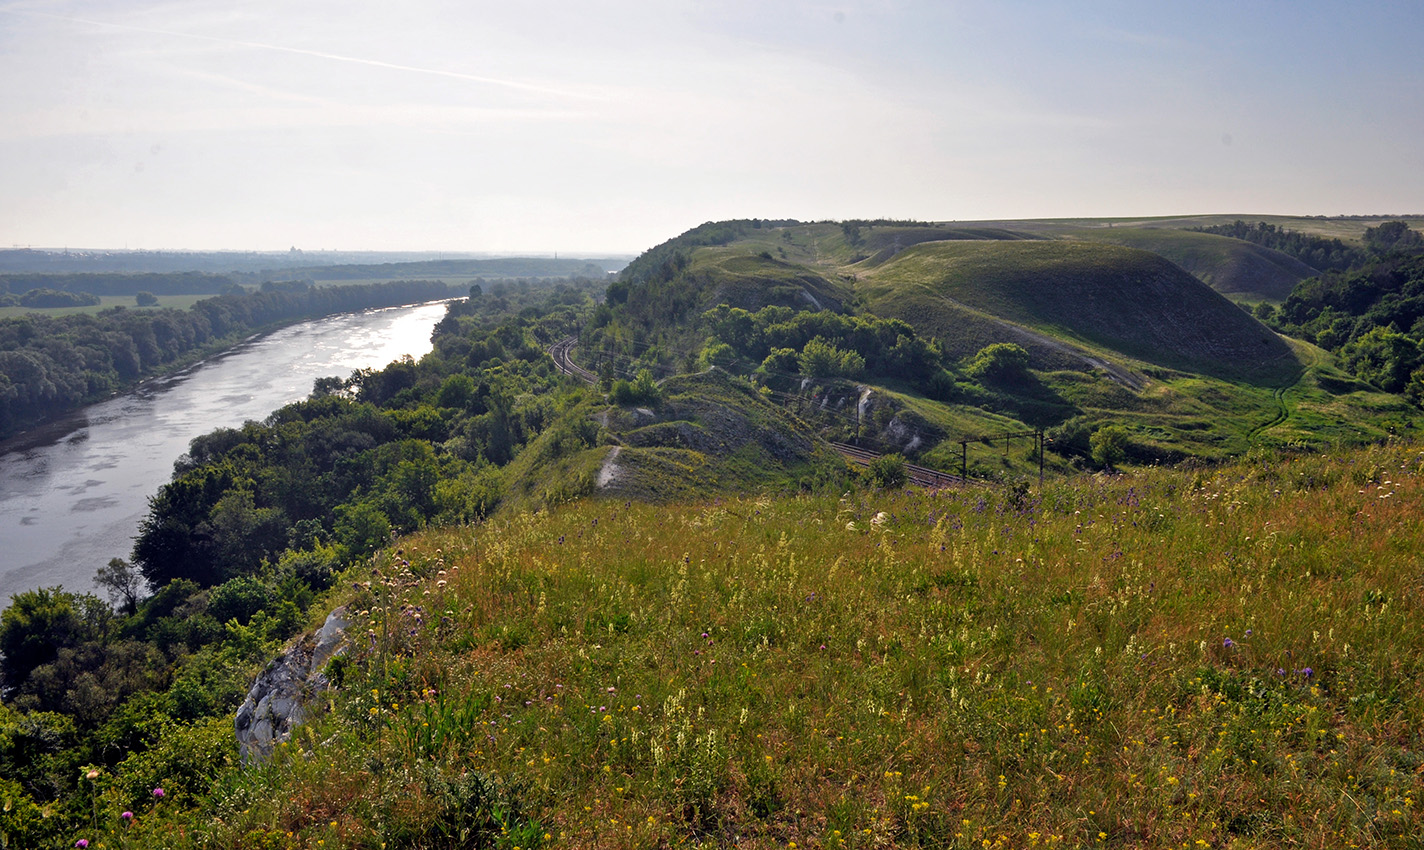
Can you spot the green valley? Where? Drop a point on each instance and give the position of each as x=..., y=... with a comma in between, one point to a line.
x=649, y=604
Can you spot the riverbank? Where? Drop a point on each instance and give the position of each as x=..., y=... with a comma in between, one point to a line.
x=51, y=366
x=72, y=492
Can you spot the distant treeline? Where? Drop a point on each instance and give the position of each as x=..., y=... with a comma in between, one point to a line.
x=1372, y=316
x=1315, y=251
x=117, y=283
x=1327, y=255
x=41, y=299
x=503, y=267
x=52, y=364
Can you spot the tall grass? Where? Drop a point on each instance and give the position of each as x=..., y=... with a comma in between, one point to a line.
x=1226, y=658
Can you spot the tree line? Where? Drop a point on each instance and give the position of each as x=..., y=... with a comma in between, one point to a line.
x=119, y=283
x=50, y=365
x=1372, y=316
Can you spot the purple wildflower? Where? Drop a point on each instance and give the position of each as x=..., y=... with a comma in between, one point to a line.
x=83, y=842
x=158, y=792
x=127, y=816
x=1228, y=643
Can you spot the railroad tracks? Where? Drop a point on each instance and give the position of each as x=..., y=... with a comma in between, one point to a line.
x=560, y=352
x=921, y=476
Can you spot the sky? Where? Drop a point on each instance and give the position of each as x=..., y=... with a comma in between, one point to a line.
x=592, y=127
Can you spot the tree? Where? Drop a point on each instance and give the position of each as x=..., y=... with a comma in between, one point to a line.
x=1002, y=362
x=1109, y=445
x=1384, y=358
x=1393, y=236
x=40, y=623
x=887, y=471
x=123, y=584
x=146, y=299
x=821, y=359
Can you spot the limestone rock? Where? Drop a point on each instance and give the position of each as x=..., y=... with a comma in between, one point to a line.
x=276, y=703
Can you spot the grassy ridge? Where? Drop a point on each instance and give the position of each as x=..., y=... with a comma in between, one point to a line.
x=707, y=435
x=1226, y=659
x=1122, y=299
x=1237, y=269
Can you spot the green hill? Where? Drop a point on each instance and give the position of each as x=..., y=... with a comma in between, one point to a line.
x=1124, y=300
x=1239, y=270
x=1115, y=335
x=706, y=435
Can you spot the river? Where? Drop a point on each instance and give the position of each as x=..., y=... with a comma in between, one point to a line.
x=72, y=494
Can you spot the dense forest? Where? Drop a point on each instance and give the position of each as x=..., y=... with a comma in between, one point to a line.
x=256, y=524
x=1373, y=316
x=52, y=364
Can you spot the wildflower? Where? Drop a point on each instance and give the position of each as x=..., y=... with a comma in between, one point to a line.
x=83, y=842
x=92, y=774
x=1228, y=643
x=127, y=816
x=158, y=792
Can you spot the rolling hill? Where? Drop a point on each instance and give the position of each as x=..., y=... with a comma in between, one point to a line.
x=1120, y=300
x=1116, y=334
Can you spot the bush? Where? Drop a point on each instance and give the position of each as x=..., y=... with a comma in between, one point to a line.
x=642, y=390
x=887, y=471
x=1002, y=362
x=238, y=599
x=1109, y=445
x=821, y=359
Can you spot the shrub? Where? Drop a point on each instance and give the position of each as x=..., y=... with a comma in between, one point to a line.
x=1109, y=445
x=1002, y=362
x=887, y=471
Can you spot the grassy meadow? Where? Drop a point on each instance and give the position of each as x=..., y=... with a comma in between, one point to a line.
x=1171, y=658
x=180, y=302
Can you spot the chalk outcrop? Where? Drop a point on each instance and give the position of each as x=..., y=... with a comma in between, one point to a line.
x=277, y=702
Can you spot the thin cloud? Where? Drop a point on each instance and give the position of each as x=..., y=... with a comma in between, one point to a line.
x=318, y=54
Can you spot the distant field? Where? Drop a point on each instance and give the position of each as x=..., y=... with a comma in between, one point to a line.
x=1347, y=230
x=181, y=302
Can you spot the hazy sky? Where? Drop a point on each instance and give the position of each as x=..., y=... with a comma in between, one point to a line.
x=583, y=126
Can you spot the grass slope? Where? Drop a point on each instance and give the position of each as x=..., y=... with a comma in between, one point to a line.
x=1121, y=299
x=708, y=435
x=1237, y=269
x=1226, y=659
x=753, y=280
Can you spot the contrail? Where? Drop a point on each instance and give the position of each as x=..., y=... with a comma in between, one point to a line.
x=336, y=57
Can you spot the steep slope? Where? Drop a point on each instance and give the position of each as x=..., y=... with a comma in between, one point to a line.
x=1104, y=296
x=1237, y=269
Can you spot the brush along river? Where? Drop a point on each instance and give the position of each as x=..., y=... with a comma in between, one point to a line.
x=72, y=493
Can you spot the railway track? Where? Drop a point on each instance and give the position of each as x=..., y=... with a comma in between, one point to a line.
x=921, y=476
x=564, y=363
